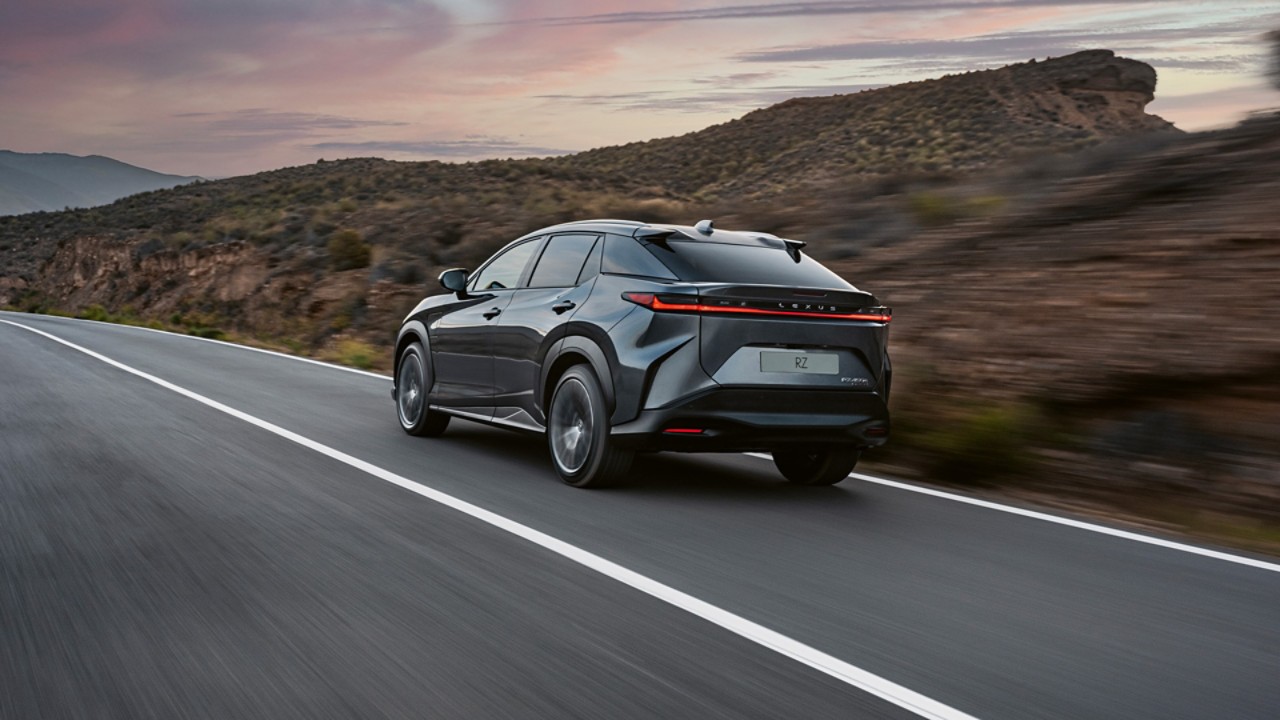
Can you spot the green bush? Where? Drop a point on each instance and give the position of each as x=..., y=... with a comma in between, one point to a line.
x=356, y=354
x=95, y=312
x=208, y=332
x=348, y=251
x=981, y=445
x=933, y=209
x=987, y=205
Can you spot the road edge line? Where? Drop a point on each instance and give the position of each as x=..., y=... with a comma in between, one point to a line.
x=1059, y=520
x=223, y=343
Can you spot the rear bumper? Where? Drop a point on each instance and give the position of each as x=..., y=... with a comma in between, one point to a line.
x=763, y=419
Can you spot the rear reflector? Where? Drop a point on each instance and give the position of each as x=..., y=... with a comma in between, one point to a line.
x=684, y=431
x=692, y=304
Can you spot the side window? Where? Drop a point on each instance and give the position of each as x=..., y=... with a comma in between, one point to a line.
x=561, y=261
x=591, y=267
x=504, y=271
x=626, y=256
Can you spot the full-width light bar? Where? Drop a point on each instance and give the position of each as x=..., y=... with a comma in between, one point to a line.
x=653, y=302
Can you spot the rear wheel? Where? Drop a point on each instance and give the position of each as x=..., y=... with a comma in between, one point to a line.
x=413, y=380
x=816, y=466
x=578, y=432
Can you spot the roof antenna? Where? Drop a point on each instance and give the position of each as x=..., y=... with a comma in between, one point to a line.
x=703, y=226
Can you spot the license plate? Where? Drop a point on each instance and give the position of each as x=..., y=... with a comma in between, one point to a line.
x=813, y=363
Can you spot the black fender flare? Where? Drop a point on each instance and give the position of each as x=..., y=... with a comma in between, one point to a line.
x=582, y=347
x=412, y=331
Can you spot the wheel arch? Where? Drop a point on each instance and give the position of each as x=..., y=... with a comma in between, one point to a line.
x=411, y=332
x=566, y=353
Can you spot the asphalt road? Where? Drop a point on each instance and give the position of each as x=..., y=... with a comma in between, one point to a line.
x=162, y=558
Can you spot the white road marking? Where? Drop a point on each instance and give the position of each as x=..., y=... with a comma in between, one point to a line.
x=942, y=494
x=839, y=669
x=1058, y=520
x=224, y=343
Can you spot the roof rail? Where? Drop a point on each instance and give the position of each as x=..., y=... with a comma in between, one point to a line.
x=635, y=223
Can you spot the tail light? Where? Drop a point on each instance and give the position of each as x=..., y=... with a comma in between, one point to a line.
x=693, y=304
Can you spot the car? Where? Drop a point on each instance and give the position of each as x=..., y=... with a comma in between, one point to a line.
x=613, y=337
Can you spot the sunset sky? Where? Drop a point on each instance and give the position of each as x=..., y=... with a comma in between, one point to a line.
x=226, y=87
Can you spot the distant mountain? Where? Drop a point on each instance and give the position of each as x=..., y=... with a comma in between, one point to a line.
x=30, y=182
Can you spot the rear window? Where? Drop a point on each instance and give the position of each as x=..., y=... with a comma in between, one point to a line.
x=743, y=264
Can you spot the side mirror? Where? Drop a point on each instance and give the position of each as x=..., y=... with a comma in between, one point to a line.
x=455, y=281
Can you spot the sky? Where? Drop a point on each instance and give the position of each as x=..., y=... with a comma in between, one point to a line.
x=228, y=87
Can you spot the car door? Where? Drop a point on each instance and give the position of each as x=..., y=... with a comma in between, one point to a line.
x=535, y=319
x=462, y=337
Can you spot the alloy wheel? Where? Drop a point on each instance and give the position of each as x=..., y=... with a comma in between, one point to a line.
x=410, y=396
x=572, y=426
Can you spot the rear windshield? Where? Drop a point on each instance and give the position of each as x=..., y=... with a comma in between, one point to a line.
x=743, y=264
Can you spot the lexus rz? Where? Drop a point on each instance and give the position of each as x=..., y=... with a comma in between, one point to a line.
x=613, y=337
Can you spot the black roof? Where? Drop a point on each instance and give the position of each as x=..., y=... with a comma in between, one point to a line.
x=635, y=228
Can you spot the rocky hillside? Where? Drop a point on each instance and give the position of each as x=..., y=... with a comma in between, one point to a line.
x=171, y=252
x=31, y=182
x=959, y=122
x=1110, y=326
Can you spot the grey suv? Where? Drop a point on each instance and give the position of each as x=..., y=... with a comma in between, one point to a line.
x=612, y=337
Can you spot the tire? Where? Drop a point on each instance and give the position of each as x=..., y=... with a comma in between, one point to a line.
x=816, y=466
x=413, y=380
x=578, y=432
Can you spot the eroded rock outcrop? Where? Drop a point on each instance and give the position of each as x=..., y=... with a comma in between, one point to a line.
x=1092, y=89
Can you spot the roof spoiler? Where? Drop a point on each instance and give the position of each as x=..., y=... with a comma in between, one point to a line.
x=794, y=247
x=656, y=235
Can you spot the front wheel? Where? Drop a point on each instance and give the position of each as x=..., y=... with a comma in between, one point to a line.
x=413, y=380
x=816, y=466
x=578, y=432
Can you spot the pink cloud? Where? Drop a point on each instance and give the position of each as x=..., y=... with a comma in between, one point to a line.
x=1214, y=108
x=160, y=39
x=519, y=58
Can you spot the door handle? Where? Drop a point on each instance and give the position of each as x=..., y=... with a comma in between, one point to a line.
x=561, y=308
x=492, y=313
